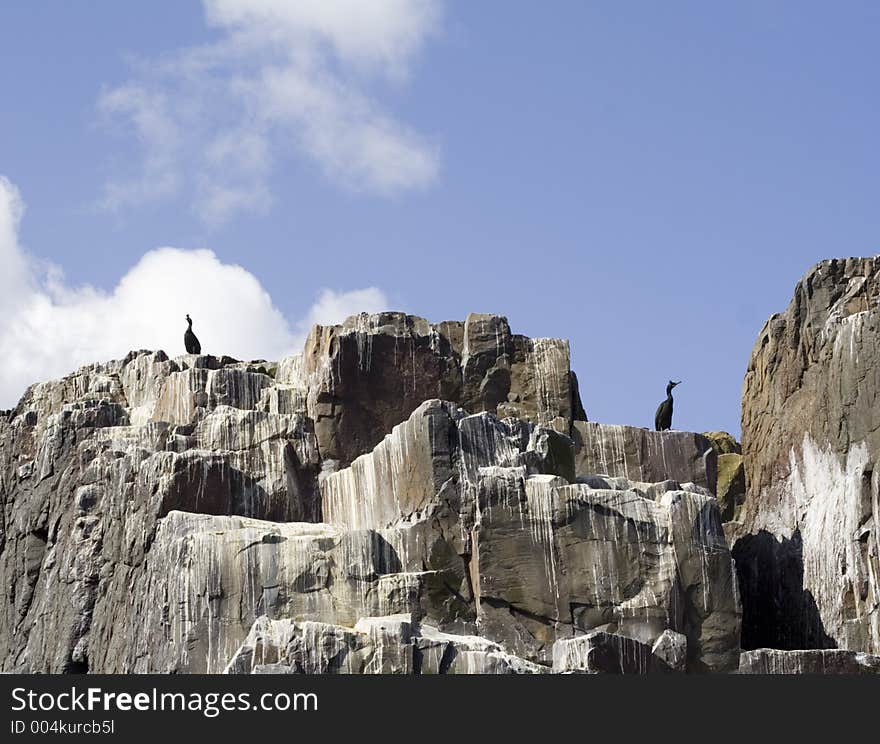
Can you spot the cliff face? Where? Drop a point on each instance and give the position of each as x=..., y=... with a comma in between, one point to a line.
x=807, y=553
x=401, y=497
x=363, y=377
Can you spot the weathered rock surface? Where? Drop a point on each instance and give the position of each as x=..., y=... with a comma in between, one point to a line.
x=332, y=512
x=367, y=375
x=820, y=661
x=808, y=553
x=530, y=558
x=724, y=443
x=643, y=455
x=730, y=488
x=606, y=653
x=207, y=579
x=671, y=648
x=376, y=645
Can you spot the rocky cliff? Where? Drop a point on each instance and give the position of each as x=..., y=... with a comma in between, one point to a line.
x=400, y=497
x=807, y=547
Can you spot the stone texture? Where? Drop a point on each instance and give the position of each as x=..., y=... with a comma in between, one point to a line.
x=671, y=648
x=87, y=474
x=208, y=578
x=448, y=653
x=730, y=489
x=543, y=559
x=376, y=645
x=606, y=653
x=774, y=661
x=331, y=513
x=367, y=375
x=730, y=485
x=723, y=442
x=602, y=559
x=289, y=647
x=643, y=455
x=807, y=549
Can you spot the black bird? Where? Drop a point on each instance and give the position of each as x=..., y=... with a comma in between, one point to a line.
x=663, y=417
x=189, y=339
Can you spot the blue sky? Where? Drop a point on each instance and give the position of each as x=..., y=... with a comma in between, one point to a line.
x=646, y=179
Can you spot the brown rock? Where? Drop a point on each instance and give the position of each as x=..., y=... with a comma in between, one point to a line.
x=370, y=373
x=833, y=661
x=643, y=455
x=809, y=552
x=723, y=443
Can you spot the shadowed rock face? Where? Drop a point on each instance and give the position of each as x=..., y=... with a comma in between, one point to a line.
x=808, y=547
x=332, y=512
x=771, y=576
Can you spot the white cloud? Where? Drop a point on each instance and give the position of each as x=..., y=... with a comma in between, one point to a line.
x=382, y=34
x=159, y=138
x=284, y=77
x=48, y=329
x=333, y=307
x=14, y=276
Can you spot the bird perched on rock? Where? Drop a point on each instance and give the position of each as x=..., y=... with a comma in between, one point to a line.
x=189, y=339
x=663, y=417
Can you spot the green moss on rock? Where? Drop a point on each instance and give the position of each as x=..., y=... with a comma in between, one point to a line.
x=723, y=443
x=731, y=486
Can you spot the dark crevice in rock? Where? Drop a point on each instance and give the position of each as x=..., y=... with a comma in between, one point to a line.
x=77, y=667
x=777, y=611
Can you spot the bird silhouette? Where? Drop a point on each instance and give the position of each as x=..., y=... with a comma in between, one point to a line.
x=189, y=339
x=663, y=417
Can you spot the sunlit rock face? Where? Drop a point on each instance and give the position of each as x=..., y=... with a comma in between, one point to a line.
x=598, y=652
x=818, y=661
x=643, y=455
x=399, y=498
x=377, y=645
x=90, y=466
x=367, y=375
x=528, y=558
x=602, y=559
x=207, y=579
x=807, y=548
x=730, y=488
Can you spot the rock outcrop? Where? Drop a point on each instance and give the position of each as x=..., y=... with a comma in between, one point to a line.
x=598, y=652
x=365, y=376
x=644, y=455
x=774, y=661
x=531, y=558
x=808, y=547
x=375, y=645
x=730, y=488
x=402, y=497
